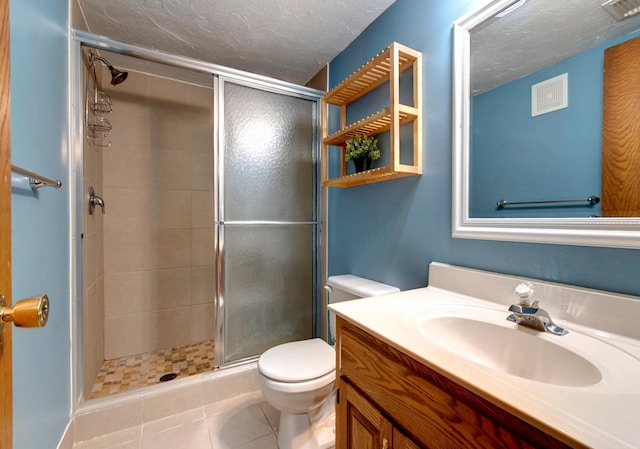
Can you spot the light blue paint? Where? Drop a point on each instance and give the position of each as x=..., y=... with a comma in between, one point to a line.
x=557, y=155
x=40, y=221
x=390, y=231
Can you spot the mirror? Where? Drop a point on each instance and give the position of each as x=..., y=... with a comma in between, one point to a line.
x=537, y=156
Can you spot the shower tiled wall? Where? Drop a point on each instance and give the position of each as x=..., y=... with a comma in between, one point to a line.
x=158, y=226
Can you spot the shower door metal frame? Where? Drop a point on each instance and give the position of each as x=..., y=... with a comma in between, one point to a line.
x=99, y=42
x=220, y=222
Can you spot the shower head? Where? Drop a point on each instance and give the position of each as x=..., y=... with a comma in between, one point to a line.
x=117, y=76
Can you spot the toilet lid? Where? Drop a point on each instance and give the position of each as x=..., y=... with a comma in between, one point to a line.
x=298, y=361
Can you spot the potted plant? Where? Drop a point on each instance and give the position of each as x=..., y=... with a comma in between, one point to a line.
x=362, y=149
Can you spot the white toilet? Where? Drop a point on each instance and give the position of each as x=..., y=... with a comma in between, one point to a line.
x=298, y=378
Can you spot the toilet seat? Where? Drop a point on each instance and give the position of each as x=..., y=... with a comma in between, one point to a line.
x=304, y=387
x=298, y=361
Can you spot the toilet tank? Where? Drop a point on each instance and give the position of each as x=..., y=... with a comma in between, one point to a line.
x=346, y=287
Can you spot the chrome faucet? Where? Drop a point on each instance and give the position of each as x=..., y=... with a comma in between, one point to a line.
x=527, y=312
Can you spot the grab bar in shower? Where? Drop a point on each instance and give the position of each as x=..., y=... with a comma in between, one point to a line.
x=592, y=200
x=35, y=180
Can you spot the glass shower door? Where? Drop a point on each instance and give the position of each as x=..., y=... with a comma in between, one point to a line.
x=266, y=242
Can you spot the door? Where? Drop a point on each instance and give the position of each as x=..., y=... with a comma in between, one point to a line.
x=362, y=426
x=5, y=228
x=620, y=131
x=267, y=225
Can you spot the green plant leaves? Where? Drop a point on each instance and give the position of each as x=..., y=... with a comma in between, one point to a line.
x=362, y=146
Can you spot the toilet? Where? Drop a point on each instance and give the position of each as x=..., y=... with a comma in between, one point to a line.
x=298, y=378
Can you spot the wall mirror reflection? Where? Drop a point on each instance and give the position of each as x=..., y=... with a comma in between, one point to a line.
x=547, y=121
x=539, y=74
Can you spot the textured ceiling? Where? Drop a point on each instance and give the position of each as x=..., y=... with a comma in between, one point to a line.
x=285, y=39
x=537, y=35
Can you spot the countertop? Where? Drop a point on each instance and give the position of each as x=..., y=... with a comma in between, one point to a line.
x=603, y=415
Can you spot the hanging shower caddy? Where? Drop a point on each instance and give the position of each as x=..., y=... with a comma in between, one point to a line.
x=97, y=105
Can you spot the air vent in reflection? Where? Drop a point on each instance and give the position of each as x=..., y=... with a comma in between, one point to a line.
x=549, y=95
x=622, y=9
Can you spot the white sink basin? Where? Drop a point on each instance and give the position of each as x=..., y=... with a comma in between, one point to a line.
x=484, y=336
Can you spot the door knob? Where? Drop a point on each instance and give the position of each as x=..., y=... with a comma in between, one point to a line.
x=28, y=312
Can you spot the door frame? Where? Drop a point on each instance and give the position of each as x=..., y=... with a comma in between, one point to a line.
x=6, y=392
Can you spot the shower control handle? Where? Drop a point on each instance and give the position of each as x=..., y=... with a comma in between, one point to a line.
x=95, y=200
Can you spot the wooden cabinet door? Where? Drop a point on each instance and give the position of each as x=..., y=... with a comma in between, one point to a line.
x=401, y=441
x=359, y=424
x=366, y=427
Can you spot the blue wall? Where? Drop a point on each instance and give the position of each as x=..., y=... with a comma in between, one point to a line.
x=40, y=221
x=390, y=231
x=552, y=156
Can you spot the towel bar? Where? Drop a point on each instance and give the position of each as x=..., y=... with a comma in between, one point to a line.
x=35, y=180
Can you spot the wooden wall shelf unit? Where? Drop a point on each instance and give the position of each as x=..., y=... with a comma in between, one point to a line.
x=385, y=67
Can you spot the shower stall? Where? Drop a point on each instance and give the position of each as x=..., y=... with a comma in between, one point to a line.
x=205, y=250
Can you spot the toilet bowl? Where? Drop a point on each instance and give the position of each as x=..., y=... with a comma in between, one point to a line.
x=298, y=378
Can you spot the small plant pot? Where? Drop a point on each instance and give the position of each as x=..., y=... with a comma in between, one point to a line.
x=361, y=164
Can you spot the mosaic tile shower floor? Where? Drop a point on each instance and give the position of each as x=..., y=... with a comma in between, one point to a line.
x=130, y=373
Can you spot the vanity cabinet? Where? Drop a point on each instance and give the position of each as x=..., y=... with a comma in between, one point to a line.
x=387, y=399
x=385, y=67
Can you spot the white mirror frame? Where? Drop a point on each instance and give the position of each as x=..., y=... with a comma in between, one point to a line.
x=609, y=232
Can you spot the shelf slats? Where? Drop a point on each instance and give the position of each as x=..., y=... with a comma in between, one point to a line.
x=369, y=176
x=373, y=124
x=371, y=75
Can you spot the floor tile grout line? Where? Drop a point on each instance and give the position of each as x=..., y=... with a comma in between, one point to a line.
x=206, y=421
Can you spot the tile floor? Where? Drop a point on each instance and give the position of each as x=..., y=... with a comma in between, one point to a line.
x=129, y=373
x=243, y=422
